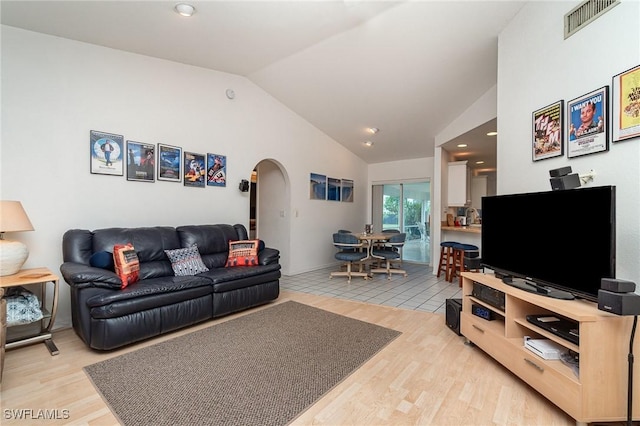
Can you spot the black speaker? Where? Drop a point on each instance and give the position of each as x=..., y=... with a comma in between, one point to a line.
x=617, y=286
x=565, y=182
x=619, y=303
x=452, y=317
x=562, y=171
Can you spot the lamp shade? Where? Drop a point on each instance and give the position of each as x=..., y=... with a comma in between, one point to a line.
x=13, y=218
x=13, y=254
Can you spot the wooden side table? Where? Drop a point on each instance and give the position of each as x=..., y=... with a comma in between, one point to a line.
x=41, y=276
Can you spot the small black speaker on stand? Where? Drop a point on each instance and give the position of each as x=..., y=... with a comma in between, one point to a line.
x=618, y=297
x=452, y=316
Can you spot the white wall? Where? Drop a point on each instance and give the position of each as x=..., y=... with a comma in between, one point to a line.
x=482, y=110
x=418, y=169
x=54, y=91
x=536, y=67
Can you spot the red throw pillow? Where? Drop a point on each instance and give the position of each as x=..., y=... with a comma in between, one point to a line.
x=126, y=263
x=243, y=253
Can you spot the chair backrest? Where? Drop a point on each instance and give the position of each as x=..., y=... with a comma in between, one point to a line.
x=390, y=231
x=344, y=231
x=397, y=240
x=344, y=240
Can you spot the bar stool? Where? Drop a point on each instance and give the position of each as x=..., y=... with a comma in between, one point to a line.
x=460, y=252
x=446, y=258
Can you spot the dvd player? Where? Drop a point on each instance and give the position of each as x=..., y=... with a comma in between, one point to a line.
x=567, y=329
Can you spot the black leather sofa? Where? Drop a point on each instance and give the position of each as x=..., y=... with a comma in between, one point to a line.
x=106, y=316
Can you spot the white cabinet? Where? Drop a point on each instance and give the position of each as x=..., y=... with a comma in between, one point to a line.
x=478, y=190
x=459, y=184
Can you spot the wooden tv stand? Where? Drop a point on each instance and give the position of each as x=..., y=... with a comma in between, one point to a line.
x=599, y=394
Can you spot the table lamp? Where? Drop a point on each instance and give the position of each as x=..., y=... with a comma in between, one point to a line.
x=13, y=254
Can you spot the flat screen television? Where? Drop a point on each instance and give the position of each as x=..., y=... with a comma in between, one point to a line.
x=559, y=243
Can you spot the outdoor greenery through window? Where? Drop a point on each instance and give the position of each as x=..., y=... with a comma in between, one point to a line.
x=413, y=216
x=406, y=207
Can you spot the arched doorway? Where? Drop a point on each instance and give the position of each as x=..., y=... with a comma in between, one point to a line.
x=269, y=208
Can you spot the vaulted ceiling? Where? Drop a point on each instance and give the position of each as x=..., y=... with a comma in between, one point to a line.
x=407, y=68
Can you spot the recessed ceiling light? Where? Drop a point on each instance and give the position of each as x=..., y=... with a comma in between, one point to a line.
x=373, y=130
x=480, y=162
x=185, y=9
x=462, y=145
x=368, y=143
x=492, y=134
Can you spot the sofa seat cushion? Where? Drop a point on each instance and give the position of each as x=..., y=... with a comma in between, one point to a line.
x=147, y=294
x=226, y=279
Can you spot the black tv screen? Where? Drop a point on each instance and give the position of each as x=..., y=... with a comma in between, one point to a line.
x=561, y=239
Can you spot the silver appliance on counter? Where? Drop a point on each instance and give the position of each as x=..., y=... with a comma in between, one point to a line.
x=472, y=216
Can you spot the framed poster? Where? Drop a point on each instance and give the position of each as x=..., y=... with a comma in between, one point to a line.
x=625, y=105
x=106, y=151
x=169, y=163
x=216, y=170
x=194, y=170
x=141, y=161
x=333, y=189
x=317, y=187
x=588, y=123
x=347, y=190
x=548, y=135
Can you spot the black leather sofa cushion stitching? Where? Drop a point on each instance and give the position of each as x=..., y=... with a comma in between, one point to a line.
x=150, y=287
x=215, y=261
x=211, y=239
x=241, y=283
x=141, y=304
x=221, y=275
x=149, y=243
x=77, y=246
x=156, y=269
x=78, y=275
x=267, y=256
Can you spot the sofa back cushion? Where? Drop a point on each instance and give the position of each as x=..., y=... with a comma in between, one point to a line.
x=212, y=241
x=149, y=244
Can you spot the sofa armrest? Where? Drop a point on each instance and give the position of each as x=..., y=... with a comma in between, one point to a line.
x=79, y=275
x=268, y=256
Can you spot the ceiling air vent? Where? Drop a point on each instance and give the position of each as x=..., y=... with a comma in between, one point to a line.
x=585, y=13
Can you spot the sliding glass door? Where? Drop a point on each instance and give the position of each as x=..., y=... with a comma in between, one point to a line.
x=405, y=207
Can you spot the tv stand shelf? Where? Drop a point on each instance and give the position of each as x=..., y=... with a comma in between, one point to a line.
x=599, y=394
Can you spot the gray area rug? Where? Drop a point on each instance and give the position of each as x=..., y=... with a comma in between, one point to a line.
x=264, y=368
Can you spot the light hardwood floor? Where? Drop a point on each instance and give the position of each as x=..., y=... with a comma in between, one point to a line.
x=427, y=376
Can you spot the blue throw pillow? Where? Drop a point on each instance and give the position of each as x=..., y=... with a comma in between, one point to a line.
x=103, y=260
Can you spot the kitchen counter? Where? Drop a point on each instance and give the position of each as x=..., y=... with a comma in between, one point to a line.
x=469, y=229
x=463, y=234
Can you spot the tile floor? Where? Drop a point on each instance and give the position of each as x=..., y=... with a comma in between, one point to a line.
x=420, y=290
